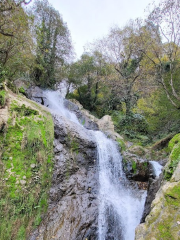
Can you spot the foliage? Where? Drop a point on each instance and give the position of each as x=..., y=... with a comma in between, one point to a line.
x=162, y=50
x=87, y=75
x=15, y=40
x=121, y=50
x=53, y=43
x=133, y=124
x=161, y=116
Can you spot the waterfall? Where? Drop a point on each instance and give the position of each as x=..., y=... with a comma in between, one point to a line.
x=120, y=204
x=157, y=168
x=55, y=103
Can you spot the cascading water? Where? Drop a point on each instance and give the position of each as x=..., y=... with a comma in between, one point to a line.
x=157, y=168
x=120, y=207
x=55, y=103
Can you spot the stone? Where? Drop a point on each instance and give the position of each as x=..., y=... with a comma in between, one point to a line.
x=33, y=165
x=22, y=182
x=106, y=124
x=73, y=196
x=135, y=167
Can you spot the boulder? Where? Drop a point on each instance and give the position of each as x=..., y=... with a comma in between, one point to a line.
x=73, y=203
x=106, y=124
x=135, y=167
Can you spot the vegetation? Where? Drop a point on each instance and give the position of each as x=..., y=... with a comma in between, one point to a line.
x=35, y=44
x=26, y=146
x=132, y=74
x=174, y=146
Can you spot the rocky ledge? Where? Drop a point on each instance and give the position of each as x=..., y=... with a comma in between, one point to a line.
x=73, y=206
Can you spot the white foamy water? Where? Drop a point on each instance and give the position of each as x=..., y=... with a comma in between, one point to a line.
x=55, y=103
x=117, y=199
x=157, y=168
x=120, y=206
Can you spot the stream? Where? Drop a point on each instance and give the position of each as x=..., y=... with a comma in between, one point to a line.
x=120, y=204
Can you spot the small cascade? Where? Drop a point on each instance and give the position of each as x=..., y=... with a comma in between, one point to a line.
x=157, y=168
x=56, y=104
x=120, y=205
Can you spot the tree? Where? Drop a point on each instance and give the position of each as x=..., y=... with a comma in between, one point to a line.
x=87, y=75
x=162, y=50
x=15, y=39
x=122, y=51
x=7, y=9
x=53, y=43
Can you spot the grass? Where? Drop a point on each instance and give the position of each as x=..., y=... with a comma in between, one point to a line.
x=3, y=98
x=23, y=197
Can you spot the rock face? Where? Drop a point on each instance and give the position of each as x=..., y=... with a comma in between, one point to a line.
x=153, y=186
x=36, y=94
x=135, y=167
x=85, y=119
x=164, y=218
x=73, y=206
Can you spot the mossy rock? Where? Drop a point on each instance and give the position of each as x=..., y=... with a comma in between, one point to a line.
x=174, y=146
x=163, y=222
x=162, y=143
x=26, y=141
x=138, y=150
x=121, y=144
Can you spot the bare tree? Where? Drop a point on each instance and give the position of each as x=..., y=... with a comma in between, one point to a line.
x=122, y=51
x=162, y=47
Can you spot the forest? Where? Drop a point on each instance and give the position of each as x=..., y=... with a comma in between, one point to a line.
x=131, y=74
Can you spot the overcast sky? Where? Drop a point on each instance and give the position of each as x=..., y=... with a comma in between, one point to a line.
x=88, y=20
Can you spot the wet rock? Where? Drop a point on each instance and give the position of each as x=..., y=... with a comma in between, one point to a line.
x=163, y=220
x=85, y=119
x=73, y=203
x=135, y=167
x=36, y=94
x=153, y=186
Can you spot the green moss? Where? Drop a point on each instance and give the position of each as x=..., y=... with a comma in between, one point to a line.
x=174, y=141
x=121, y=144
x=174, y=146
x=28, y=140
x=134, y=166
x=145, y=165
x=3, y=97
x=164, y=230
x=172, y=196
x=21, y=90
x=23, y=110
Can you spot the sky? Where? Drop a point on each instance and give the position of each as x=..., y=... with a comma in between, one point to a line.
x=89, y=20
